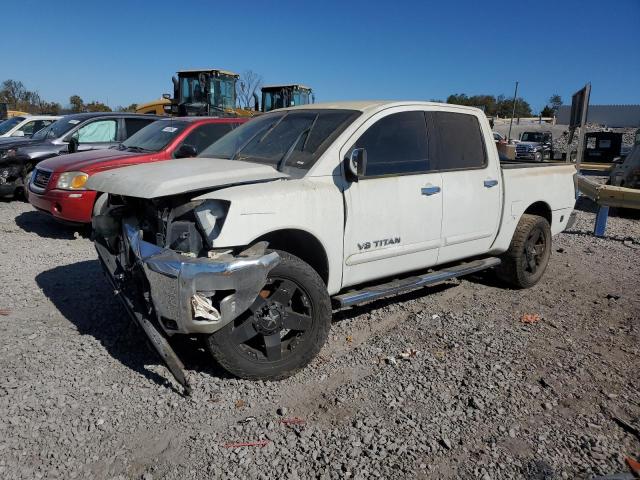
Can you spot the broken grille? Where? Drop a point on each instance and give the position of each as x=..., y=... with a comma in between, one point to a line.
x=41, y=178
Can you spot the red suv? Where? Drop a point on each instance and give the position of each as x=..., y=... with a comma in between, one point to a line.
x=57, y=184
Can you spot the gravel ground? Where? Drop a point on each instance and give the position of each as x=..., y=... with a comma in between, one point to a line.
x=482, y=395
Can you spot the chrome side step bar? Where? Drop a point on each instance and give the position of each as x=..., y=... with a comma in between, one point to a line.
x=395, y=287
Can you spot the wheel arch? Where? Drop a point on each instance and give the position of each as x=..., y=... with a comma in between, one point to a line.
x=540, y=208
x=303, y=245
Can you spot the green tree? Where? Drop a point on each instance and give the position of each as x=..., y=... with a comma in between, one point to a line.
x=97, y=107
x=49, y=108
x=555, y=101
x=131, y=108
x=77, y=104
x=547, y=111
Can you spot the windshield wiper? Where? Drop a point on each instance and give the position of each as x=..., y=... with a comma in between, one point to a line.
x=138, y=149
x=292, y=148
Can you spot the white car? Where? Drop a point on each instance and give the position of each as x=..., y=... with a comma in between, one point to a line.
x=25, y=126
x=316, y=206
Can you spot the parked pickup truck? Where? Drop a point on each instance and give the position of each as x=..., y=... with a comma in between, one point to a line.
x=536, y=146
x=57, y=185
x=305, y=206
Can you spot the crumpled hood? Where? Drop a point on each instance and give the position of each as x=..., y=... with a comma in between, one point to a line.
x=161, y=179
x=84, y=161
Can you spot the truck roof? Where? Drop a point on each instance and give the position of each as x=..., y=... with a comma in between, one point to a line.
x=373, y=105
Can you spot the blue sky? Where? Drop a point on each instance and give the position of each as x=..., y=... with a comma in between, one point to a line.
x=121, y=52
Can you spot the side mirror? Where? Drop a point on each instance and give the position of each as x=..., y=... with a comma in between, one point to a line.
x=357, y=162
x=73, y=145
x=166, y=96
x=18, y=133
x=186, y=151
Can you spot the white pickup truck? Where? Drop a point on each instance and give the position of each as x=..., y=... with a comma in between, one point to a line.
x=313, y=207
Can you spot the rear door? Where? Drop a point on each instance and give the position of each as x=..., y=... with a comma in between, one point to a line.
x=471, y=184
x=393, y=213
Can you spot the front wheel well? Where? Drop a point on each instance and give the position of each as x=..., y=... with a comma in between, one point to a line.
x=540, y=209
x=303, y=245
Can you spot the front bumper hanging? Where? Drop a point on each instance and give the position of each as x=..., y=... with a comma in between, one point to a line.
x=179, y=283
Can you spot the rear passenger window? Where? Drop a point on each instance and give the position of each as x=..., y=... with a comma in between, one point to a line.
x=135, y=124
x=396, y=145
x=205, y=135
x=460, y=143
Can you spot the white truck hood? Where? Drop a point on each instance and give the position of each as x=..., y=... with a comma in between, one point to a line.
x=172, y=177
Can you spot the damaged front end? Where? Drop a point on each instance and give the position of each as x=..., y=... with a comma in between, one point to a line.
x=11, y=175
x=159, y=257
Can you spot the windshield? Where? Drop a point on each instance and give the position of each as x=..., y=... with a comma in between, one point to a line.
x=283, y=139
x=56, y=129
x=155, y=136
x=9, y=124
x=532, y=137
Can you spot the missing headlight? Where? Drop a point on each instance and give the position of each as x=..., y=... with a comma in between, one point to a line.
x=210, y=215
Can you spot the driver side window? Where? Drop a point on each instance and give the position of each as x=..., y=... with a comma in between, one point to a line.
x=100, y=131
x=396, y=145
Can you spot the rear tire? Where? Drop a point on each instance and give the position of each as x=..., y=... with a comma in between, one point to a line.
x=528, y=256
x=282, y=331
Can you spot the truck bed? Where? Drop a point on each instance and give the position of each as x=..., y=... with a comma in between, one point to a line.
x=513, y=164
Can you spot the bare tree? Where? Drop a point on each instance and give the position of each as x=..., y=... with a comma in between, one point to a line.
x=249, y=83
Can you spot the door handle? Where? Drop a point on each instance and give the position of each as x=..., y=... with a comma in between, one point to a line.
x=430, y=190
x=490, y=183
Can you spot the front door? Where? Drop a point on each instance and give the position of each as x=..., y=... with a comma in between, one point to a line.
x=393, y=212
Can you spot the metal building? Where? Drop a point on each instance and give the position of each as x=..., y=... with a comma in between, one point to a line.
x=614, y=116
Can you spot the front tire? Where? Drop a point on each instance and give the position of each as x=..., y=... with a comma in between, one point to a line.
x=528, y=256
x=282, y=331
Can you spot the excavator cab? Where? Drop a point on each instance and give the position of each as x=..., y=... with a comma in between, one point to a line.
x=283, y=96
x=204, y=92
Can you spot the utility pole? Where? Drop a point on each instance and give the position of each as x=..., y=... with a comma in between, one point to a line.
x=515, y=95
